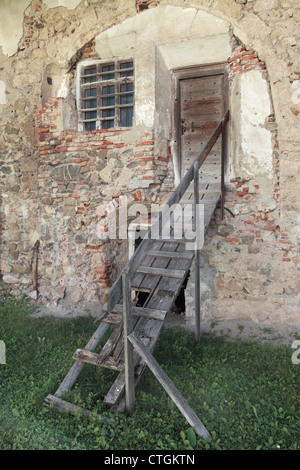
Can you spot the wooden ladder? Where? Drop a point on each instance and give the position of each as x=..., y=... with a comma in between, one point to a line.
x=159, y=267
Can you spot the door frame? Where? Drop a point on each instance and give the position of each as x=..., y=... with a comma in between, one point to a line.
x=183, y=73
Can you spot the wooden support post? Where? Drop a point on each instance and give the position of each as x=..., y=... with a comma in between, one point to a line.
x=223, y=169
x=170, y=388
x=128, y=348
x=224, y=155
x=197, y=250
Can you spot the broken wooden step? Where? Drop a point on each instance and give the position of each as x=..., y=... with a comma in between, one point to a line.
x=117, y=313
x=82, y=355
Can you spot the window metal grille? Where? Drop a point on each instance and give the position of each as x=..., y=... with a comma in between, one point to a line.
x=107, y=95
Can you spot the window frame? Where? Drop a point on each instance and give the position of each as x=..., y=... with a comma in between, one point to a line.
x=100, y=79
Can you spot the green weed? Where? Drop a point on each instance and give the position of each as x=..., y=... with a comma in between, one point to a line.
x=246, y=394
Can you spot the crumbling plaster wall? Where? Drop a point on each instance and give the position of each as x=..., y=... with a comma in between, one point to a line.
x=262, y=188
x=158, y=48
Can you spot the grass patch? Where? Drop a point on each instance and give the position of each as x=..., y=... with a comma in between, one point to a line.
x=246, y=394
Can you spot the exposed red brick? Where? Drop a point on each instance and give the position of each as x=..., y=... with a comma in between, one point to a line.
x=147, y=142
x=295, y=111
x=137, y=195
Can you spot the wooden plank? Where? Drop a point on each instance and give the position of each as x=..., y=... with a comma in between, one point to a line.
x=160, y=286
x=151, y=313
x=170, y=254
x=161, y=272
x=110, y=344
x=151, y=281
x=73, y=409
x=170, y=388
x=117, y=389
x=75, y=370
x=167, y=289
x=89, y=357
x=128, y=349
x=151, y=328
x=113, y=318
x=163, y=297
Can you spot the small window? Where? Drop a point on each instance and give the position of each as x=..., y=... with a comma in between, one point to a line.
x=106, y=95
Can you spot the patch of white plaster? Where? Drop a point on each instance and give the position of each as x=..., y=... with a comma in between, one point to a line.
x=196, y=51
x=63, y=88
x=69, y=4
x=11, y=24
x=11, y=20
x=2, y=92
x=296, y=92
x=256, y=140
x=122, y=46
x=199, y=37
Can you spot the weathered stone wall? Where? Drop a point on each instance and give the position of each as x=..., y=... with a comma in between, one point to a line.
x=81, y=177
x=249, y=264
x=55, y=179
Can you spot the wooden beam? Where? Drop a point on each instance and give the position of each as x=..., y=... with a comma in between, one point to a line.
x=75, y=370
x=73, y=409
x=197, y=252
x=110, y=344
x=128, y=348
x=170, y=388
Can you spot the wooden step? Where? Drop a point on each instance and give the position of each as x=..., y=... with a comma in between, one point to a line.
x=82, y=355
x=175, y=273
x=117, y=388
x=173, y=240
x=171, y=254
x=150, y=313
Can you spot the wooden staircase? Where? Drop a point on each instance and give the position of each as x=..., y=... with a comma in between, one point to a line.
x=158, y=268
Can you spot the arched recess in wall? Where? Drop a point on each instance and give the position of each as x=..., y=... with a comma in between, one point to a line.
x=200, y=37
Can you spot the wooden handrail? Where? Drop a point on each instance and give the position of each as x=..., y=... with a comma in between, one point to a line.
x=122, y=288
x=115, y=292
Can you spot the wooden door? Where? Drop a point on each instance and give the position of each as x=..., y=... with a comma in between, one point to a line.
x=201, y=107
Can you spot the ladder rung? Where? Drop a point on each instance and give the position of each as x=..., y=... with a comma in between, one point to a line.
x=82, y=355
x=175, y=273
x=171, y=254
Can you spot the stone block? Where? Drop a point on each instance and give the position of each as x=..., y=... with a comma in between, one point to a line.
x=11, y=279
